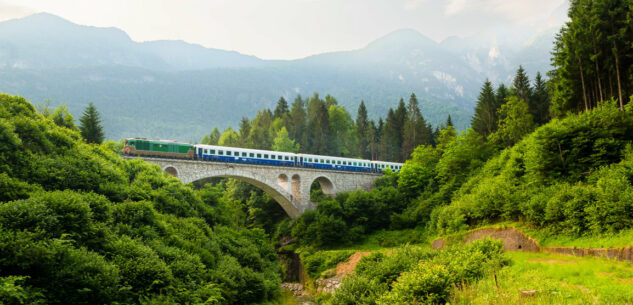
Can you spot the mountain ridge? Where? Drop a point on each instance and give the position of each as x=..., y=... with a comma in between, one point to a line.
x=210, y=87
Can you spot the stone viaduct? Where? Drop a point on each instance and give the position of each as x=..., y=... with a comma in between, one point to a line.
x=289, y=186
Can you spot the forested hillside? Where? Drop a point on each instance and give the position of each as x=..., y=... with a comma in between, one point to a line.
x=80, y=225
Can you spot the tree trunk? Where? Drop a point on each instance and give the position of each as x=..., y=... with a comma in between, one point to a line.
x=597, y=68
x=582, y=80
x=617, y=73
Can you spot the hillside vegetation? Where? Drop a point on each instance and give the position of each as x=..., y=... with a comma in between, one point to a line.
x=80, y=225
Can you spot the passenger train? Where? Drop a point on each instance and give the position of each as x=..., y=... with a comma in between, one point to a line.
x=202, y=152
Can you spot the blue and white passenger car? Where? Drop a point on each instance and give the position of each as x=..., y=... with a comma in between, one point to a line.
x=334, y=163
x=244, y=155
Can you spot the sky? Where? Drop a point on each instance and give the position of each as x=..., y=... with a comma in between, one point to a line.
x=290, y=29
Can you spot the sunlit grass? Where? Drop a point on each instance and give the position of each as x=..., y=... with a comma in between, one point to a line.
x=557, y=280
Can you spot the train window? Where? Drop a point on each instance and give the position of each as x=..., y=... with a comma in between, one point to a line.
x=220, y=152
x=228, y=152
x=338, y=162
x=280, y=157
x=259, y=155
x=252, y=155
x=322, y=161
x=243, y=154
x=206, y=151
x=212, y=151
x=286, y=158
x=265, y=156
x=354, y=164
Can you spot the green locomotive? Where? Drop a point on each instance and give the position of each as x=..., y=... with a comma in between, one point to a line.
x=158, y=148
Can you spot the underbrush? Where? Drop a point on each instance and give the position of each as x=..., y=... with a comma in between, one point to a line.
x=414, y=275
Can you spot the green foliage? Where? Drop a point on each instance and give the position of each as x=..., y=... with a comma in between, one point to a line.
x=412, y=275
x=283, y=143
x=80, y=225
x=317, y=262
x=570, y=176
x=515, y=122
x=90, y=127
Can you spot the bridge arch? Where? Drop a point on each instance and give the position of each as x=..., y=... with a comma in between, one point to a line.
x=171, y=170
x=277, y=192
x=326, y=185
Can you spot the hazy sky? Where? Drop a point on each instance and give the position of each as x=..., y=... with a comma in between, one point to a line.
x=288, y=29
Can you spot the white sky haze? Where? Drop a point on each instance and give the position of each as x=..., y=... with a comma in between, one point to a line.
x=289, y=29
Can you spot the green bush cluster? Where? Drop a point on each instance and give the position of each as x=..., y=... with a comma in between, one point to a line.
x=348, y=217
x=80, y=225
x=417, y=276
x=315, y=263
x=572, y=176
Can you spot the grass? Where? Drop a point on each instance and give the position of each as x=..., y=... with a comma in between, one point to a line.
x=557, y=280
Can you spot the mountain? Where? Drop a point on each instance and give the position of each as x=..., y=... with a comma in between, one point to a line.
x=178, y=90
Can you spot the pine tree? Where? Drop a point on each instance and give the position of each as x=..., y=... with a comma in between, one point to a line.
x=244, y=132
x=362, y=131
x=415, y=129
x=282, y=108
x=297, y=126
x=90, y=125
x=540, y=101
x=521, y=85
x=501, y=96
x=449, y=121
x=484, y=120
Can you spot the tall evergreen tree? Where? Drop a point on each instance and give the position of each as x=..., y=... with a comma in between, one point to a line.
x=449, y=121
x=244, y=132
x=90, y=125
x=501, y=96
x=298, y=124
x=318, y=126
x=362, y=131
x=282, y=108
x=484, y=120
x=521, y=85
x=415, y=130
x=540, y=101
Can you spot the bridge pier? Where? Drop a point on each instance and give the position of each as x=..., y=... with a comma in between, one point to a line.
x=289, y=186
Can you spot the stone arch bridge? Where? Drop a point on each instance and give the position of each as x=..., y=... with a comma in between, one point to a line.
x=289, y=186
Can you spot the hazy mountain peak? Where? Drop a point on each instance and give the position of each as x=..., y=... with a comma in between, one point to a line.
x=402, y=37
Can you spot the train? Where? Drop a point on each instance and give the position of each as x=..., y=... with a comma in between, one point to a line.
x=203, y=152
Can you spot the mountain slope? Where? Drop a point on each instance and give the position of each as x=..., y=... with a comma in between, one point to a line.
x=179, y=90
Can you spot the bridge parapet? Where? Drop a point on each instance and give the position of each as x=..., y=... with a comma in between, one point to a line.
x=289, y=186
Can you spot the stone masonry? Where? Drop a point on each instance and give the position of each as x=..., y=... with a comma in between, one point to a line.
x=289, y=186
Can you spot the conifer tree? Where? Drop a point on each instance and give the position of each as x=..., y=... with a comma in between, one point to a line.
x=449, y=121
x=540, y=101
x=521, y=85
x=282, y=108
x=244, y=132
x=484, y=120
x=297, y=125
x=362, y=131
x=90, y=125
x=415, y=130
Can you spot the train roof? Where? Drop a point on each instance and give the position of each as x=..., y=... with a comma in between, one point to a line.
x=162, y=141
x=243, y=149
x=333, y=158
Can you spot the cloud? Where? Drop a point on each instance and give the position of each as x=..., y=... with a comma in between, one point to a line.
x=519, y=11
x=11, y=11
x=413, y=4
